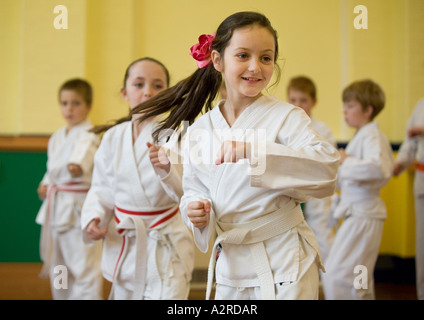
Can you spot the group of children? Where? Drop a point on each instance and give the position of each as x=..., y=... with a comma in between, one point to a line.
x=122, y=206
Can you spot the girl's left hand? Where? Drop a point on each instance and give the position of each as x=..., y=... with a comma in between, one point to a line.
x=158, y=157
x=93, y=230
x=233, y=151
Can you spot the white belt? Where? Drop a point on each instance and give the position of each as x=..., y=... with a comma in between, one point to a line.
x=126, y=226
x=254, y=233
x=350, y=196
x=46, y=239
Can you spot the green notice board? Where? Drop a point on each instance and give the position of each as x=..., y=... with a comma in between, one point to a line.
x=20, y=174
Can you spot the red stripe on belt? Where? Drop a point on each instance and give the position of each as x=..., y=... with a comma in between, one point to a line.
x=147, y=213
x=142, y=213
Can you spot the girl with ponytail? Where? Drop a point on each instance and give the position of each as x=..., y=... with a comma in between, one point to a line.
x=248, y=164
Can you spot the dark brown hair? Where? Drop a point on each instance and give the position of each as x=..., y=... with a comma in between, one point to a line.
x=367, y=93
x=195, y=94
x=82, y=87
x=102, y=128
x=127, y=72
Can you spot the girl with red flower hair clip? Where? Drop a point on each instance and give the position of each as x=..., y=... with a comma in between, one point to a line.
x=248, y=164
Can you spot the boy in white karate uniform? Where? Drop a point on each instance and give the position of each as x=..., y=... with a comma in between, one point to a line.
x=64, y=187
x=412, y=150
x=301, y=92
x=366, y=167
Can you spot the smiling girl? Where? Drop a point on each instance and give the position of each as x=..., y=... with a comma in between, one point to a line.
x=248, y=189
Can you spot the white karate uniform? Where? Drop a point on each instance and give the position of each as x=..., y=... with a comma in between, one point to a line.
x=291, y=163
x=148, y=252
x=317, y=211
x=61, y=237
x=364, y=172
x=411, y=150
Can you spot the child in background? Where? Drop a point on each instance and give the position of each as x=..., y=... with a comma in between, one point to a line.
x=252, y=198
x=148, y=252
x=301, y=92
x=64, y=187
x=412, y=150
x=366, y=167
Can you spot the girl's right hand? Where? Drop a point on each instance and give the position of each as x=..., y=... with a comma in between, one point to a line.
x=93, y=230
x=198, y=212
x=158, y=157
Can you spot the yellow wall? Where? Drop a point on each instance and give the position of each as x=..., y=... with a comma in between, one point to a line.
x=317, y=38
x=391, y=52
x=10, y=17
x=399, y=227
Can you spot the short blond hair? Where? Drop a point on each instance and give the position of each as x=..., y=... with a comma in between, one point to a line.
x=367, y=93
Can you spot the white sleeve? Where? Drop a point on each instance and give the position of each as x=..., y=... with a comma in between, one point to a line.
x=302, y=164
x=99, y=202
x=195, y=190
x=375, y=164
x=46, y=178
x=84, y=150
x=172, y=181
x=407, y=153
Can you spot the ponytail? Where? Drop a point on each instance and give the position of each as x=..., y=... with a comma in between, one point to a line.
x=102, y=128
x=189, y=97
x=184, y=101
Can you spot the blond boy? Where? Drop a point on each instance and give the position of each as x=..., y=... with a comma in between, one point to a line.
x=366, y=167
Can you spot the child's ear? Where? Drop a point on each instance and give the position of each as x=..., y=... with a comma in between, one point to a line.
x=124, y=94
x=369, y=111
x=217, y=61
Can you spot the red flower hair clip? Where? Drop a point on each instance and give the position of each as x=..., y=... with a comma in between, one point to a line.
x=201, y=51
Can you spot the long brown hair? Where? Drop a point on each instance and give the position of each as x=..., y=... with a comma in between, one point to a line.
x=101, y=128
x=195, y=94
